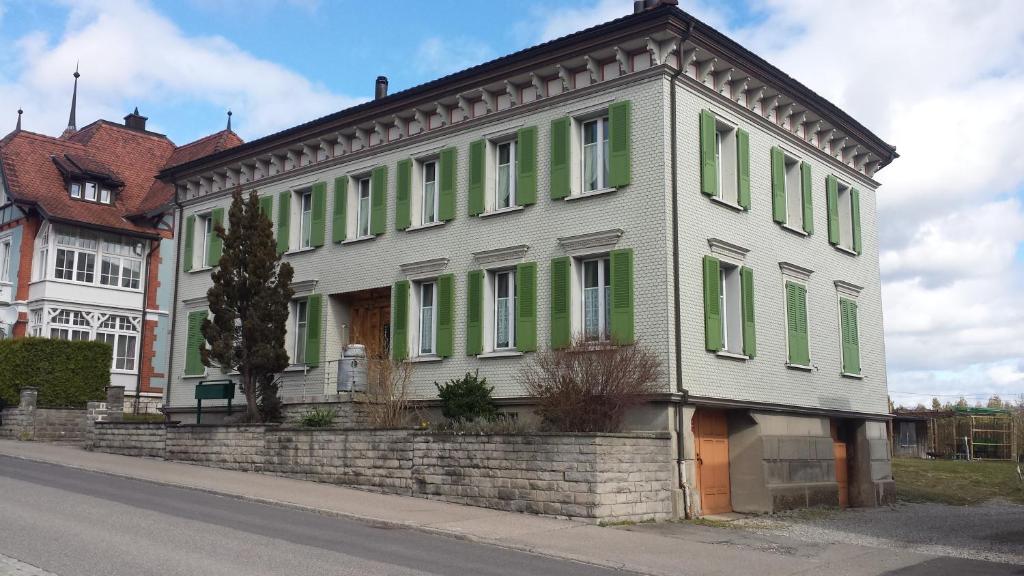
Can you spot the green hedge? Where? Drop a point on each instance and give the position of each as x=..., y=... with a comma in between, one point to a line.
x=66, y=373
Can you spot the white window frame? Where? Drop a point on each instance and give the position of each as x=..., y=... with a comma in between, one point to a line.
x=727, y=162
x=793, y=191
x=359, y=231
x=300, y=316
x=603, y=262
x=120, y=330
x=75, y=190
x=76, y=327
x=204, y=232
x=433, y=217
x=601, y=160
x=304, y=214
x=494, y=277
x=730, y=293
x=419, y=287
x=87, y=247
x=844, y=209
x=5, y=260
x=513, y=169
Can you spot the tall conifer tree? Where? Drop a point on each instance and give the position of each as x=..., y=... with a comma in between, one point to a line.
x=249, y=303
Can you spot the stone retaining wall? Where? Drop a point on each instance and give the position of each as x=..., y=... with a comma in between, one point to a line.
x=593, y=477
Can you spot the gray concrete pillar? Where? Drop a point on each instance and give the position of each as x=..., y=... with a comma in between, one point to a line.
x=29, y=397
x=115, y=403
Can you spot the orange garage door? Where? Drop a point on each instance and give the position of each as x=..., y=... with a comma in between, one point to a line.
x=712, y=433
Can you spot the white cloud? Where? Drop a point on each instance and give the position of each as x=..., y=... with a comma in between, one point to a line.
x=130, y=53
x=437, y=56
x=944, y=82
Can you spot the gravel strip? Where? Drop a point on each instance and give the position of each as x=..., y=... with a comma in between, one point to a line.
x=992, y=532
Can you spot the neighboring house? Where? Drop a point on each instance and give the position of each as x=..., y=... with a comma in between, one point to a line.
x=646, y=179
x=86, y=241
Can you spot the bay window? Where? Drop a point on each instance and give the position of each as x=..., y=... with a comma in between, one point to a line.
x=77, y=252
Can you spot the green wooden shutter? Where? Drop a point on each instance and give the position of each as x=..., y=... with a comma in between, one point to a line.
x=747, y=306
x=339, y=221
x=475, y=312
x=832, y=202
x=400, y=320
x=193, y=342
x=318, y=217
x=712, y=305
x=314, y=328
x=379, y=200
x=778, y=185
x=445, y=315
x=619, y=143
x=561, y=143
x=267, y=206
x=526, y=166
x=477, y=176
x=855, y=217
x=446, y=194
x=284, y=217
x=190, y=232
x=708, y=161
x=850, y=336
x=561, y=302
x=215, y=247
x=808, y=197
x=796, y=324
x=526, y=307
x=403, y=194
x=622, y=296
x=743, y=161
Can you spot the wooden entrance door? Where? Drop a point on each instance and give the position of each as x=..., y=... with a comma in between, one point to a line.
x=370, y=312
x=712, y=434
x=842, y=466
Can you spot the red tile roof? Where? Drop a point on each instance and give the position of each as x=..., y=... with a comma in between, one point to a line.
x=33, y=164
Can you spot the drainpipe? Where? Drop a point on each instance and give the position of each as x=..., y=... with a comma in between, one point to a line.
x=178, y=228
x=142, y=326
x=677, y=312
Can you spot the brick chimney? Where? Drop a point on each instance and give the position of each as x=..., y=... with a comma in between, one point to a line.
x=645, y=5
x=380, y=88
x=135, y=121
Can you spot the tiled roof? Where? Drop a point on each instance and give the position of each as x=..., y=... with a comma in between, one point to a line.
x=32, y=164
x=207, y=145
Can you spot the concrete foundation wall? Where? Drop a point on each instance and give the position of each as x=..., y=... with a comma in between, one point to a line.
x=871, y=481
x=593, y=477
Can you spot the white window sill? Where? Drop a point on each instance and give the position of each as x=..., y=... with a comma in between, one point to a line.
x=845, y=249
x=194, y=270
x=500, y=354
x=501, y=211
x=193, y=376
x=732, y=355
x=727, y=204
x=854, y=376
x=5, y=283
x=796, y=231
x=299, y=251
x=588, y=194
x=298, y=368
x=94, y=284
x=426, y=226
x=799, y=367
x=426, y=358
x=359, y=239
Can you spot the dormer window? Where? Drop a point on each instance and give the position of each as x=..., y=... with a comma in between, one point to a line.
x=90, y=191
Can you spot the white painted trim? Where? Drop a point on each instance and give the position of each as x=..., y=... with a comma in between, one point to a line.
x=848, y=289
x=794, y=230
x=358, y=239
x=501, y=211
x=500, y=354
x=428, y=358
x=795, y=272
x=304, y=286
x=799, y=367
x=501, y=256
x=424, y=269
x=590, y=243
x=728, y=251
x=425, y=226
x=727, y=204
x=588, y=194
x=732, y=356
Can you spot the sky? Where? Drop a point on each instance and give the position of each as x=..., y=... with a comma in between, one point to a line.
x=943, y=80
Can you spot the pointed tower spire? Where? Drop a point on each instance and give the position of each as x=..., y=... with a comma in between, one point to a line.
x=72, y=128
x=17, y=127
x=229, y=119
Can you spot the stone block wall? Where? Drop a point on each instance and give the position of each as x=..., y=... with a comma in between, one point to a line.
x=602, y=477
x=29, y=422
x=130, y=439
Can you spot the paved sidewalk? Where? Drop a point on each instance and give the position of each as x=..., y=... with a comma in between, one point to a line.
x=11, y=567
x=638, y=551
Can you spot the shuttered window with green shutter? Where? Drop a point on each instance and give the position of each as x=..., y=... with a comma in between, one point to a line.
x=318, y=217
x=808, y=197
x=708, y=155
x=284, y=217
x=619, y=143
x=796, y=324
x=832, y=203
x=447, y=194
x=339, y=214
x=778, y=160
x=561, y=302
x=474, y=312
x=445, y=315
x=215, y=246
x=713, y=340
x=622, y=296
x=190, y=235
x=526, y=171
x=743, y=168
x=400, y=320
x=855, y=216
x=561, y=172
x=526, y=307
x=477, y=176
x=193, y=342
x=850, y=336
x=747, y=311
x=314, y=329
x=379, y=200
x=267, y=206
x=403, y=194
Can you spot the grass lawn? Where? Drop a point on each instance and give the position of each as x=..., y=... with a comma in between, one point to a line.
x=957, y=482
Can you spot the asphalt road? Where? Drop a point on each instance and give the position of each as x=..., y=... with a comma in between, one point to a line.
x=76, y=523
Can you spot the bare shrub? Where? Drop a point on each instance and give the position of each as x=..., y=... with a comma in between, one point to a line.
x=388, y=393
x=589, y=386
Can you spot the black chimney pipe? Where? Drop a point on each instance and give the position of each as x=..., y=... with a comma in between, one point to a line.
x=381, y=89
